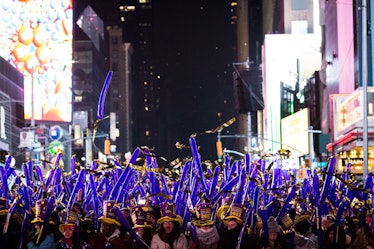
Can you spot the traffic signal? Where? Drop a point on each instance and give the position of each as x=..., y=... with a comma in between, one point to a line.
x=107, y=147
x=219, y=148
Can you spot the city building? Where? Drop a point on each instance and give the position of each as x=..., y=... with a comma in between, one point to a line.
x=121, y=94
x=90, y=69
x=147, y=122
x=11, y=109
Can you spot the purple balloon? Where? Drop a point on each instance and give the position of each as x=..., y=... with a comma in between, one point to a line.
x=5, y=183
x=11, y=211
x=58, y=158
x=78, y=185
x=8, y=162
x=104, y=90
x=95, y=202
x=114, y=193
x=227, y=168
x=327, y=184
x=197, y=161
x=213, y=186
x=73, y=165
x=135, y=155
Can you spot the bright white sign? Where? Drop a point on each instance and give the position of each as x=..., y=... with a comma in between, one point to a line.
x=295, y=136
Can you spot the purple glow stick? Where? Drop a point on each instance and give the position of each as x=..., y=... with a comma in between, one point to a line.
x=197, y=160
x=104, y=90
x=95, y=202
x=73, y=165
x=213, y=185
x=77, y=187
x=4, y=183
x=226, y=170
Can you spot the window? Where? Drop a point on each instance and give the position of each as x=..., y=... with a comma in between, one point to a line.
x=299, y=4
x=78, y=99
x=115, y=67
x=299, y=27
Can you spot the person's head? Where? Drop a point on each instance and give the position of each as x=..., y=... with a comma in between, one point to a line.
x=125, y=212
x=151, y=218
x=168, y=213
x=68, y=232
x=168, y=226
x=235, y=212
x=77, y=208
x=273, y=236
x=109, y=221
x=327, y=221
x=139, y=231
x=232, y=224
x=37, y=226
x=273, y=228
x=302, y=225
x=205, y=228
x=107, y=228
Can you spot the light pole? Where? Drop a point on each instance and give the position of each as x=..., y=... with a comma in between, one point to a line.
x=364, y=71
x=32, y=122
x=311, y=144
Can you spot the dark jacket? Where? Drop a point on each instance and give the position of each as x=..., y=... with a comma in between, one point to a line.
x=98, y=241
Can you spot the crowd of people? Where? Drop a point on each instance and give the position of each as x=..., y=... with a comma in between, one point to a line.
x=236, y=204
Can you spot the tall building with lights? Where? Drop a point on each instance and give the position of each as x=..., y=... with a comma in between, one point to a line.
x=90, y=68
x=121, y=94
x=138, y=30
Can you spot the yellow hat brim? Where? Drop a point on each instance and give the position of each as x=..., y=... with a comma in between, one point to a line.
x=3, y=212
x=140, y=226
x=167, y=218
x=36, y=220
x=61, y=227
x=201, y=223
x=110, y=221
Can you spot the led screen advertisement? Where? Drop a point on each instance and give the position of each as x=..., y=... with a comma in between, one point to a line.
x=36, y=37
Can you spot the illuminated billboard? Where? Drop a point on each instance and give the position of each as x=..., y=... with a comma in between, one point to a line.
x=36, y=37
x=295, y=135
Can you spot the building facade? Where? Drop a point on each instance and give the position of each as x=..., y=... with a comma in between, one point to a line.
x=11, y=109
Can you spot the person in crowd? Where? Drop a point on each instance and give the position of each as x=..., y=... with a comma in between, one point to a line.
x=153, y=214
x=276, y=238
x=141, y=227
x=125, y=211
x=232, y=217
x=10, y=229
x=327, y=221
x=68, y=230
x=335, y=237
x=207, y=236
x=304, y=237
x=43, y=234
x=169, y=236
x=110, y=235
x=364, y=238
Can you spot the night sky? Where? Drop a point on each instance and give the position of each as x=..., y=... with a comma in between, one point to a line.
x=194, y=47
